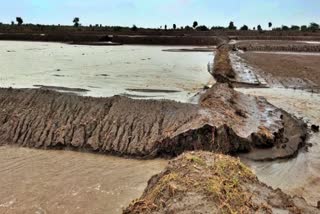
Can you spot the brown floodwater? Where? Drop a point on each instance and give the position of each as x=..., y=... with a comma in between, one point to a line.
x=39, y=181
x=299, y=175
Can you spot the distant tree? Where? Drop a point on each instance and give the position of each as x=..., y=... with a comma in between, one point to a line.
x=195, y=24
x=304, y=28
x=270, y=24
x=259, y=28
x=254, y=28
x=134, y=28
x=165, y=27
x=295, y=27
x=76, y=21
x=174, y=26
x=202, y=28
x=231, y=26
x=12, y=22
x=181, y=27
x=188, y=28
x=284, y=27
x=19, y=20
x=313, y=26
x=244, y=27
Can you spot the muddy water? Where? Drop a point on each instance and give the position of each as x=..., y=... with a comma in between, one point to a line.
x=300, y=175
x=38, y=181
x=105, y=70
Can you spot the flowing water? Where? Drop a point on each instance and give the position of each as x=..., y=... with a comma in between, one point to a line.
x=300, y=175
x=39, y=181
x=134, y=71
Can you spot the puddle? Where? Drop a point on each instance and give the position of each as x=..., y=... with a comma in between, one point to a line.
x=300, y=175
x=70, y=182
x=109, y=69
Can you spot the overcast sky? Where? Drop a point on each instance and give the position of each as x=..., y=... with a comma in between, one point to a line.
x=154, y=13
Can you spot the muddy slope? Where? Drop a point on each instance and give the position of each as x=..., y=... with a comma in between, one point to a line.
x=200, y=182
x=225, y=121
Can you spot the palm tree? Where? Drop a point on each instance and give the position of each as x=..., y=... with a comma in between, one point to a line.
x=76, y=21
x=195, y=24
x=19, y=20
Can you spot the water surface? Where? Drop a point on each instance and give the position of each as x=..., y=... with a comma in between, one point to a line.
x=105, y=70
x=39, y=181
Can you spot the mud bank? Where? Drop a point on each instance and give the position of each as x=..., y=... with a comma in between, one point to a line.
x=207, y=183
x=222, y=70
x=224, y=121
x=167, y=40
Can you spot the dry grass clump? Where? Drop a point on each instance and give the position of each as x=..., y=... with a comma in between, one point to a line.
x=217, y=178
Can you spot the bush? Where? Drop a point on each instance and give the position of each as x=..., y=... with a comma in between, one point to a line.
x=202, y=28
x=244, y=27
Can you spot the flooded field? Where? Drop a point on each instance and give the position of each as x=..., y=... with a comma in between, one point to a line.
x=300, y=175
x=134, y=71
x=39, y=181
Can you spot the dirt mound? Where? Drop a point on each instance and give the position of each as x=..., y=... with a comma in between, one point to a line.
x=200, y=182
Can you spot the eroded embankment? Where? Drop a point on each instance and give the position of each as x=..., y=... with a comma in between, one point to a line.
x=200, y=182
x=224, y=121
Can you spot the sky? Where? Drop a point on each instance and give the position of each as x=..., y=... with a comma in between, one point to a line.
x=156, y=13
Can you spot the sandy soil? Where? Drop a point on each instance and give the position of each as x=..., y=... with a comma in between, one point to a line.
x=286, y=68
x=37, y=181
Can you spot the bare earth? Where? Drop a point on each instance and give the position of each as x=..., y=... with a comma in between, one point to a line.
x=287, y=67
x=39, y=181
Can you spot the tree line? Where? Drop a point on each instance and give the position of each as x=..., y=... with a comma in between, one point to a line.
x=195, y=26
